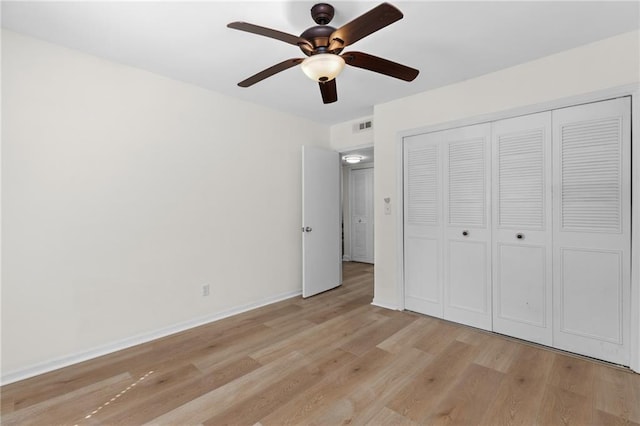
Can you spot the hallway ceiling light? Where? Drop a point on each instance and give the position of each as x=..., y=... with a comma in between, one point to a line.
x=353, y=159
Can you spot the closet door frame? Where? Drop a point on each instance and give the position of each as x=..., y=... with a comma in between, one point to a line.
x=631, y=90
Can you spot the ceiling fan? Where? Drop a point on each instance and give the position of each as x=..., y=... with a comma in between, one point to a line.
x=323, y=44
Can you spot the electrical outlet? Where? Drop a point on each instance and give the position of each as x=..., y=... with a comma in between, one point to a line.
x=205, y=290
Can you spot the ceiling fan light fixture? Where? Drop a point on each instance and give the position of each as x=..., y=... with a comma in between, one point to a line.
x=353, y=159
x=323, y=66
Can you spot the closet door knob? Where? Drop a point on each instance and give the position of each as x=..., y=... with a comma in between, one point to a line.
x=520, y=236
x=465, y=233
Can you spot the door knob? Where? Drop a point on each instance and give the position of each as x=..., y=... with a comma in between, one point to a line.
x=520, y=236
x=308, y=229
x=465, y=233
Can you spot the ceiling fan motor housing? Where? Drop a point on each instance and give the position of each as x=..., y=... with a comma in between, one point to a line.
x=318, y=36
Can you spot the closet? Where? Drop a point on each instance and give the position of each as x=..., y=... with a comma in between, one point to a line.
x=522, y=226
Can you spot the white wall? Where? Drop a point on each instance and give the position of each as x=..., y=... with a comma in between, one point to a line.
x=343, y=138
x=605, y=64
x=124, y=192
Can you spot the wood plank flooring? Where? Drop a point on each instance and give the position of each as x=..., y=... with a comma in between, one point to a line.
x=333, y=359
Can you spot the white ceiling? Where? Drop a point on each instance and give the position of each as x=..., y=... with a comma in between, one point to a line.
x=447, y=41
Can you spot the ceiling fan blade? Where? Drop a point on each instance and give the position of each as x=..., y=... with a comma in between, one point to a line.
x=380, y=65
x=328, y=91
x=370, y=22
x=268, y=32
x=270, y=71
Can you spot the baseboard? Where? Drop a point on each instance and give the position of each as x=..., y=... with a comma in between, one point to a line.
x=68, y=360
x=346, y=258
x=385, y=305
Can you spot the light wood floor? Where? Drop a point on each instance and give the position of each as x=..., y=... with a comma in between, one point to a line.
x=332, y=359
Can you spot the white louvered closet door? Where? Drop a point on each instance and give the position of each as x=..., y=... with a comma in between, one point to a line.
x=522, y=255
x=467, y=231
x=423, y=224
x=591, y=237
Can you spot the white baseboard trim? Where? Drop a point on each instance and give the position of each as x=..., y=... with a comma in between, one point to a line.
x=385, y=305
x=65, y=361
x=346, y=258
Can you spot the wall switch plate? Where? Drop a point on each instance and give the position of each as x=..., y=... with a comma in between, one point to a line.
x=205, y=290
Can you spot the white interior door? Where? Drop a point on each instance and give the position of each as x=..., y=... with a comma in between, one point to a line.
x=321, y=266
x=423, y=227
x=591, y=235
x=467, y=231
x=361, y=200
x=522, y=255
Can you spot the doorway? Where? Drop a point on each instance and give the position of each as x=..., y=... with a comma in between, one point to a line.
x=357, y=206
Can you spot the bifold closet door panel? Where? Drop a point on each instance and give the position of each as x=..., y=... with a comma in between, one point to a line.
x=522, y=255
x=423, y=228
x=591, y=236
x=467, y=230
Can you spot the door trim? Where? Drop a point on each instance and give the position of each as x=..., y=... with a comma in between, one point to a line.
x=632, y=90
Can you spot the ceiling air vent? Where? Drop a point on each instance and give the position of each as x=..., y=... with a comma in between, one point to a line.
x=362, y=126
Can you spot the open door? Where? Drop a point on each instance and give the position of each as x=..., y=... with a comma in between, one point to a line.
x=321, y=267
